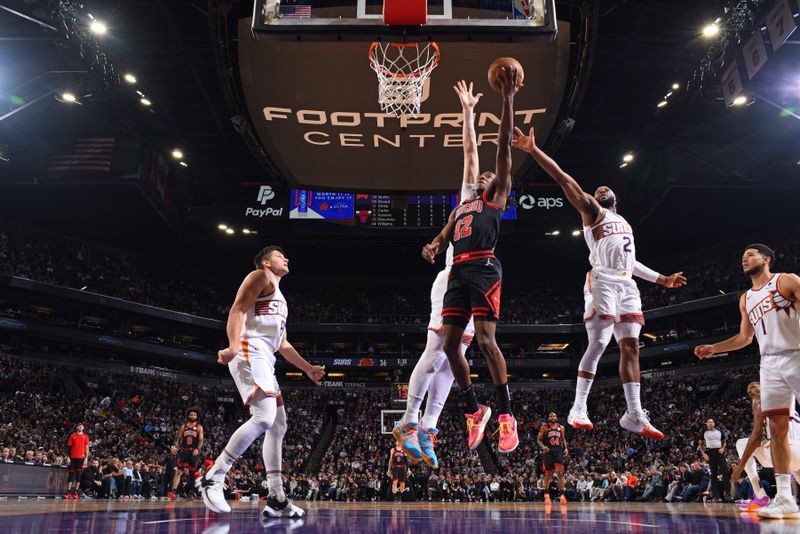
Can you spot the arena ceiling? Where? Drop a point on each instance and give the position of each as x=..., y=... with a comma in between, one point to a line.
x=684, y=153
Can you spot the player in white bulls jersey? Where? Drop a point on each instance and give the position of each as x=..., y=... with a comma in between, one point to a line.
x=757, y=446
x=613, y=304
x=432, y=374
x=256, y=331
x=770, y=312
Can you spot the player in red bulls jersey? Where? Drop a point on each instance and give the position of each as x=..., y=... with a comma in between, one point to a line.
x=551, y=439
x=256, y=330
x=770, y=313
x=475, y=281
x=612, y=301
x=190, y=443
x=398, y=471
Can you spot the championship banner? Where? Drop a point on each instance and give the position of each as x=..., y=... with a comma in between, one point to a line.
x=755, y=54
x=732, y=83
x=780, y=23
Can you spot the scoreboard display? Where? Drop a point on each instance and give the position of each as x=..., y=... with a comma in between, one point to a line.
x=399, y=393
x=379, y=211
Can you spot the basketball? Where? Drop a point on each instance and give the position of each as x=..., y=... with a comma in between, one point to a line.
x=499, y=63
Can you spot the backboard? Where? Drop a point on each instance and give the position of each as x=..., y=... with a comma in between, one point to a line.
x=313, y=99
x=488, y=20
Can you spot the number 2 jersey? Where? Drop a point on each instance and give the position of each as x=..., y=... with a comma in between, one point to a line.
x=610, y=291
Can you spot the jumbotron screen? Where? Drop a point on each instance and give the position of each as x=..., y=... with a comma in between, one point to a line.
x=379, y=211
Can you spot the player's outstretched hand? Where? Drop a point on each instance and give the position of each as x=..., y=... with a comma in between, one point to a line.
x=429, y=252
x=508, y=81
x=704, y=351
x=316, y=373
x=675, y=280
x=522, y=141
x=468, y=100
x=225, y=356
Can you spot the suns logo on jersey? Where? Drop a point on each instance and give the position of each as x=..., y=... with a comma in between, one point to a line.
x=272, y=307
x=773, y=301
x=611, y=228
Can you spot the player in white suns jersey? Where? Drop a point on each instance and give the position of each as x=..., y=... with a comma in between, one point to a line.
x=613, y=305
x=256, y=330
x=770, y=312
x=432, y=374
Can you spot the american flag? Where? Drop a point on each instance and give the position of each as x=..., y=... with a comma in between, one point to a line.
x=84, y=154
x=292, y=11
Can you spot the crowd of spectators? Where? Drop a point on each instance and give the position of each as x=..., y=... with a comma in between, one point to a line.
x=78, y=264
x=133, y=420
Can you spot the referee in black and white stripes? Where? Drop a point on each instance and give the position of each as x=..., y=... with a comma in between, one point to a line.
x=714, y=444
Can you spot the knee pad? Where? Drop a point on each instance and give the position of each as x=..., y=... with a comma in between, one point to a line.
x=279, y=426
x=599, y=332
x=262, y=412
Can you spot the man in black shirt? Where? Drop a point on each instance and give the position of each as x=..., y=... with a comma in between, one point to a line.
x=92, y=479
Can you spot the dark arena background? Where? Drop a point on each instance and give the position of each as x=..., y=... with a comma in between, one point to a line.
x=149, y=149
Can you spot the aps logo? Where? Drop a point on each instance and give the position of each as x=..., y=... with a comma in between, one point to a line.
x=529, y=202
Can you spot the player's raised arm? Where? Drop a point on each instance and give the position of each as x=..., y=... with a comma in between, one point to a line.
x=471, y=163
x=740, y=340
x=253, y=285
x=432, y=249
x=580, y=199
x=290, y=354
x=500, y=187
x=646, y=273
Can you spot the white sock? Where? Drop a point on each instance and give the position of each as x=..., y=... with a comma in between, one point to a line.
x=632, y=397
x=275, y=486
x=221, y=467
x=783, y=485
x=582, y=389
x=757, y=489
x=413, y=403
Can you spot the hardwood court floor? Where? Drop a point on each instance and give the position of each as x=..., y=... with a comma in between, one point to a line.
x=58, y=516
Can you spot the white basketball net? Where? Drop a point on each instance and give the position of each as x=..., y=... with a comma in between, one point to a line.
x=402, y=70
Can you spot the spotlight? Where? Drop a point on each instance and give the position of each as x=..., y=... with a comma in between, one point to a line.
x=545, y=375
x=98, y=28
x=576, y=233
x=222, y=226
x=177, y=154
x=68, y=97
x=556, y=232
x=130, y=78
x=676, y=86
x=740, y=100
x=146, y=102
x=623, y=165
x=183, y=164
x=245, y=231
x=711, y=30
x=662, y=104
x=627, y=158
x=229, y=231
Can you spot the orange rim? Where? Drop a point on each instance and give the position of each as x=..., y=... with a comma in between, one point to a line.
x=387, y=72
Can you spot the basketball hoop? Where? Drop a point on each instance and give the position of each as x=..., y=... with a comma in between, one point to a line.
x=402, y=70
